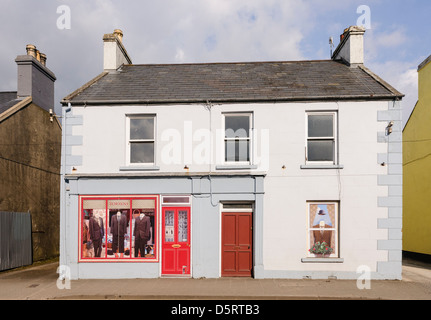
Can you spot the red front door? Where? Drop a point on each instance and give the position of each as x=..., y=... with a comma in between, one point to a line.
x=237, y=252
x=176, y=241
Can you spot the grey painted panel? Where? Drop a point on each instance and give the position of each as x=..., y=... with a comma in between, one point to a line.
x=389, y=245
x=74, y=160
x=389, y=115
x=75, y=120
x=391, y=223
x=390, y=202
x=390, y=180
x=74, y=140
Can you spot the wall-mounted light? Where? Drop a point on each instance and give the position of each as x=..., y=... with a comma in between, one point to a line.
x=389, y=128
x=186, y=167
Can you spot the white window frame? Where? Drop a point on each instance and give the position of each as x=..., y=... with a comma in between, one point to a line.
x=335, y=253
x=129, y=141
x=249, y=138
x=334, y=138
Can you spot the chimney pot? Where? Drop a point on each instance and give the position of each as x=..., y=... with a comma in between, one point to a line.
x=37, y=55
x=31, y=50
x=43, y=59
x=119, y=34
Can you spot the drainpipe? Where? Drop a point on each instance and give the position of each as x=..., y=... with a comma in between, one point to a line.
x=63, y=198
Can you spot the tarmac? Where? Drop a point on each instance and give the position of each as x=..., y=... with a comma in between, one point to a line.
x=39, y=282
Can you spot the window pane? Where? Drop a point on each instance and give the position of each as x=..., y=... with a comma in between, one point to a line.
x=143, y=229
x=93, y=233
x=321, y=150
x=237, y=206
x=142, y=152
x=320, y=126
x=183, y=226
x=237, y=126
x=237, y=150
x=176, y=199
x=169, y=226
x=142, y=128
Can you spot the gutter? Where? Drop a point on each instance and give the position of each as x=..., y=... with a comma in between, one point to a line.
x=242, y=100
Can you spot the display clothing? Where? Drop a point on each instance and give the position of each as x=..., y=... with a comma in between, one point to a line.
x=97, y=232
x=118, y=230
x=142, y=234
x=323, y=235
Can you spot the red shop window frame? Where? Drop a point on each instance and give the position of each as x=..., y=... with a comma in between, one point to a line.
x=132, y=213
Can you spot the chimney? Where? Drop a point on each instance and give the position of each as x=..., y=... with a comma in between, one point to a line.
x=351, y=47
x=35, y=79
x=114, y=52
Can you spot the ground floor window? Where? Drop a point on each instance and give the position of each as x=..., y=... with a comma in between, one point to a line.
x=323, y=229
x=118, y=228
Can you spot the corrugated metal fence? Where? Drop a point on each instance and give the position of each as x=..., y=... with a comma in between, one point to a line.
x=15, y=240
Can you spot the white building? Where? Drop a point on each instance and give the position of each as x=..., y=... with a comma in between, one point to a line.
x=240, y=168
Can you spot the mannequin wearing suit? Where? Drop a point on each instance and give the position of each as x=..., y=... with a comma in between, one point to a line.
x=142, y=234
x=323, y=222
x=118, y=230
x=96, y=232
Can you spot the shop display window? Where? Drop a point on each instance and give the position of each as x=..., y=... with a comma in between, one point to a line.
x=118, y=228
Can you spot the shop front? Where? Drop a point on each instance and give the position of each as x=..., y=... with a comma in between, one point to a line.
x=183, y=232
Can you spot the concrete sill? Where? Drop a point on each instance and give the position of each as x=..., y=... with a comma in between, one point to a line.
x=236, y=167
x=140, y=168
x=322, y=167
x=322, y=260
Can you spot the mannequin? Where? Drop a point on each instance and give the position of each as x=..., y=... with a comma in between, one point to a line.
x=322, y=222
x=96, y=231
x=118, y=230
x=142, y=234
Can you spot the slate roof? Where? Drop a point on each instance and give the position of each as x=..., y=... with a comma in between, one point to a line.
x=233, y=82
x=7, y=100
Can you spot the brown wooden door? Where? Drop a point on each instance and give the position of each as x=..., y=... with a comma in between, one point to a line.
x=237, y=251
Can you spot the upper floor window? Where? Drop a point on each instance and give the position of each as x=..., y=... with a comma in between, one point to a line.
x=237, y=140
x=321, y=137
x=141, y=139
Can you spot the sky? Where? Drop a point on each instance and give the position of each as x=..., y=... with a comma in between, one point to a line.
x=70, y=32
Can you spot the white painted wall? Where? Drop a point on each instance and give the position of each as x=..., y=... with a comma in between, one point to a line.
x=286, y=190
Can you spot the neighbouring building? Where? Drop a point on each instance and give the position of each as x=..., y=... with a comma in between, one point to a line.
x=417, y=170
x=233, y=169
x=30, y=155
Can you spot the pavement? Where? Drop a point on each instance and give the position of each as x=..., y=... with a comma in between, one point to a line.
x=39, y=282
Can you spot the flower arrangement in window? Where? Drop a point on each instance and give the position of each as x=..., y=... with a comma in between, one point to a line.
x=321, y=249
